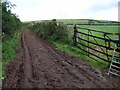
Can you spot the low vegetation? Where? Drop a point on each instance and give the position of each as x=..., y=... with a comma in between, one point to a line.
x=11, y=28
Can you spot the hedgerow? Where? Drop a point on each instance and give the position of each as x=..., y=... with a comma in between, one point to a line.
x=52, y=30
x=10, y=21
x=11, y=28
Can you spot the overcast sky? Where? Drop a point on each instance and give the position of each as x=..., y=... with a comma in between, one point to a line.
x=30, y=10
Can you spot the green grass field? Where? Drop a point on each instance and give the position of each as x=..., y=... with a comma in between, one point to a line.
x=109, y=29
x=85, y=21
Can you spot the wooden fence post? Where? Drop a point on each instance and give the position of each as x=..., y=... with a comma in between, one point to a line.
x=75, y=35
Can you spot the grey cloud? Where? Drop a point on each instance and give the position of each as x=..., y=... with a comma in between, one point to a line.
x=100, y=7
x=119, y=4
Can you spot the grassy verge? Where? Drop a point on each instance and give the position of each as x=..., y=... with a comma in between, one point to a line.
x=9, y=47
x=0, y=62
x=70, y=49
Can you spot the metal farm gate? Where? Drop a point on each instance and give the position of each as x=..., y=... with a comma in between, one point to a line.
x=96, y=44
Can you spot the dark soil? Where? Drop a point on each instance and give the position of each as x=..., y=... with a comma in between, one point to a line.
x=40, y=65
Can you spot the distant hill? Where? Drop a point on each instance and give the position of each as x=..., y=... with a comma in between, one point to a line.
x=78, y=21
x=86, y=21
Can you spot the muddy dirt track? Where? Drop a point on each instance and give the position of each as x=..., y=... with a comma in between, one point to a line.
x=40, y=65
